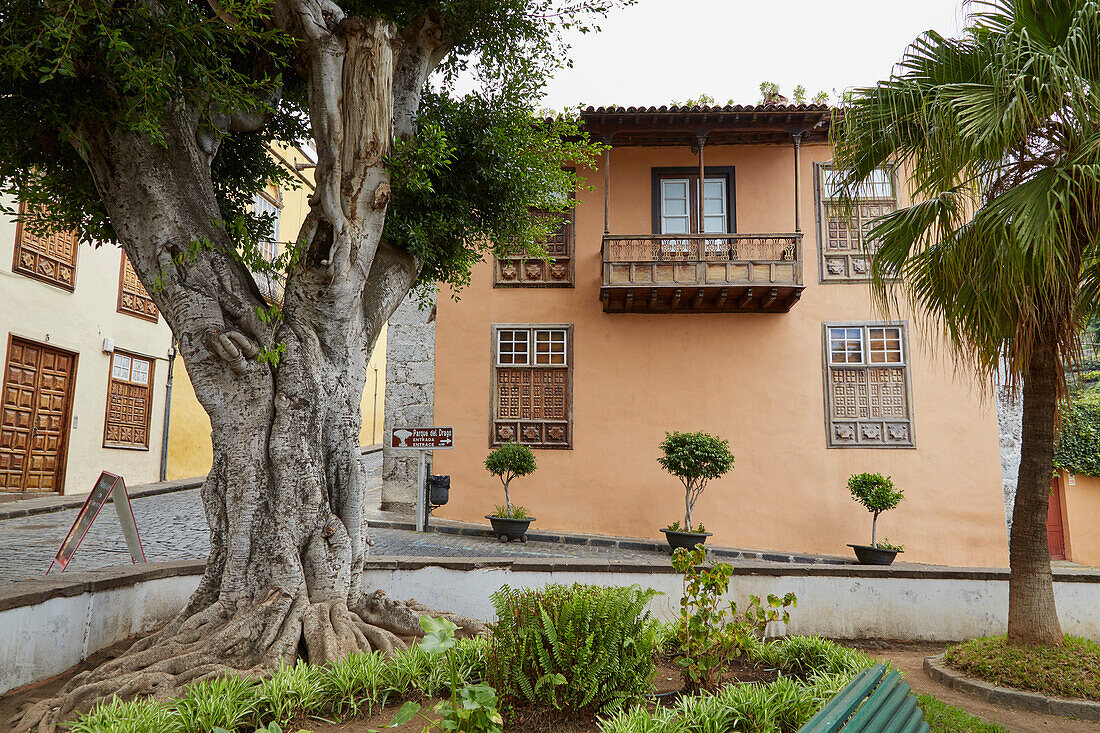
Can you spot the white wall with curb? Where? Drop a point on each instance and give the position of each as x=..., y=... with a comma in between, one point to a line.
x=837, y=606
x=42, y=640
x=47, y=627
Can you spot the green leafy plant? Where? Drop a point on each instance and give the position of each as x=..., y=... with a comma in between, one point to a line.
x=354, y=683
x=223, y=702
x=675, y=527
x=506, y=462
x=471, y=708
x=886, y=544
x=695, y=459
x=877, y=494
x=291, y=691
x=515, y=512
x=142, y=715
x=572, y=648
x=710, y=632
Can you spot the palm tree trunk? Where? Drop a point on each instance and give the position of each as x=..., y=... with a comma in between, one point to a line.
x=1032, y=617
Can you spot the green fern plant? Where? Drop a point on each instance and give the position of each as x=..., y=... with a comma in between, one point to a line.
x=572, y=648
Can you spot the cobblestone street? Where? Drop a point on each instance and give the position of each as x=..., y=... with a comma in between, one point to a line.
x=173, y=527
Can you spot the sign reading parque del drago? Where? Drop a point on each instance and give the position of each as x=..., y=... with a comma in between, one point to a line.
x=435, y=438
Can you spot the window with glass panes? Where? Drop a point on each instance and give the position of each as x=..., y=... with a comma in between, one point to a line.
x=270, y=283
x=867, y=390
x=843, y=231
x=129, y=401
x=532, y=385
x=676, y=201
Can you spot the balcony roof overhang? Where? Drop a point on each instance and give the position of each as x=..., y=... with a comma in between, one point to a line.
x=729, y=125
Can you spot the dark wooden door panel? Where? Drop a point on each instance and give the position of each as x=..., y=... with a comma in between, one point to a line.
x=1056, y=540
x=34, y=417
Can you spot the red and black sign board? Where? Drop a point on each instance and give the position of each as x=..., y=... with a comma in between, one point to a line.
x=108, y=485
x=422, y=438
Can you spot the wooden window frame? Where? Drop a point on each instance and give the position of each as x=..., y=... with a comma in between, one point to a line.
x=868, y=432
x=18, y=268
x=718, y=171
x=495, y=438
x=853, y=260
x=149, y=398
x=530, y=272
x=120, y=306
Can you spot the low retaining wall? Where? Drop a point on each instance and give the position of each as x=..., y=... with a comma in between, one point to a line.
x=48, y=626
x=917, y=603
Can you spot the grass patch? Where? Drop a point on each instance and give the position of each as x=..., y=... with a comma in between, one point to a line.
x=943, y=718
x=1070, y=670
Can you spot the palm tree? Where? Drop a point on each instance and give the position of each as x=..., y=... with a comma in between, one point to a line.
x=998, y=133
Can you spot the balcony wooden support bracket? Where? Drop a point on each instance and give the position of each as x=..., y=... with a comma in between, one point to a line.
x=769, y=299
x=720, y=303
x=675, y=299
x=745, y=298
x=653, y=299
x=792, y=299
x=698, y=304
x=629, y=299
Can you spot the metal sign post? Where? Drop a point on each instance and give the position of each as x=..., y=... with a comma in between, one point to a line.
x=110, y=486
x=422, y=440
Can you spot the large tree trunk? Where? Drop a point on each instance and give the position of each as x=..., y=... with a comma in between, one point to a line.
x=284, y=497
x=1032, y=617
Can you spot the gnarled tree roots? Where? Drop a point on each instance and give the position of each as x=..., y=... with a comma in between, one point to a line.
x=255, y=641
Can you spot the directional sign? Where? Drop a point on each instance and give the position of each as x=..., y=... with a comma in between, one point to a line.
x=422, y=438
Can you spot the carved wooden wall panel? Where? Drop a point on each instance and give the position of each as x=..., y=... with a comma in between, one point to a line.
x=133, y=298
x=555, y=271
x=844, y=242
x=50, y=258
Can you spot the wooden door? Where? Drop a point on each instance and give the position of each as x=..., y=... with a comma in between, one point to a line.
x=34, y=418
x=1056, y=540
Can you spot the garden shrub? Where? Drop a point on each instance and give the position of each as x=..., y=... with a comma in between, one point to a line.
x=289, y=692
x=143, y=715
x=355, y=683
x=572, y=648
x=709, y=631
x=223, y=702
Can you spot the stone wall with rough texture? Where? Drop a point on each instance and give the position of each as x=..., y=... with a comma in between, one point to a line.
x=1010, y=412
x=410, y=395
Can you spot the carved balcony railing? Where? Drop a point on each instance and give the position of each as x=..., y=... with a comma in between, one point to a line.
x=647, y=273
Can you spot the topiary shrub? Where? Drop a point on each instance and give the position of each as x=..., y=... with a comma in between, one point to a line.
x=506, y=462
x=694, y=458
x=572, y=648
x=877, y=493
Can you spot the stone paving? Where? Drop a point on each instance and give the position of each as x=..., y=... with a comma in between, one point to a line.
x=173, y=527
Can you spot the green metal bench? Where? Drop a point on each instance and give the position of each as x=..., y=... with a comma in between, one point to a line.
x=875, y=701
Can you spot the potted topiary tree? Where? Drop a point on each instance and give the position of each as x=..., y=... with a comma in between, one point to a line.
x=694, y=458
x=877, y=493
x=506, y=462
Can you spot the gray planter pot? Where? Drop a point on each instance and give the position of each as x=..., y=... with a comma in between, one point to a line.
x=686, y=540
x=507, y=530
x=867, y=555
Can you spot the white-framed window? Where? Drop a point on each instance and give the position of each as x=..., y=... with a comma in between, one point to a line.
x=514, y=347
x=867, y=386
x=532, y=385
x=675, y=206
x=269, y=241
x=715, y=198
x=550, y=347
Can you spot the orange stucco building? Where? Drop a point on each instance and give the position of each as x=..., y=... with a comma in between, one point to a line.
x=740, y=309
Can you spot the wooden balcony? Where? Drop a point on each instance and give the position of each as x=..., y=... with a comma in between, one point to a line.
x=701, y=273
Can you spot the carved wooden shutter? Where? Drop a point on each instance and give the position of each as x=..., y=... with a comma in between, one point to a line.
x=868, y=386
x=129, y=402
x=133, y=298
x=845, y=246
x=556, y=270
x=532, y=386
x=50, y=258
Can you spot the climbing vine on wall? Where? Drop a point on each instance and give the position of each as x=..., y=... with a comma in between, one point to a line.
x=1077, y=449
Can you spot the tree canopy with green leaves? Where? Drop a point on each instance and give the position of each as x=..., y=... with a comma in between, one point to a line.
x=148, y=124
x=998, y=135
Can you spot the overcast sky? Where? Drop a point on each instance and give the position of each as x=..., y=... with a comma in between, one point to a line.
x=661, y=50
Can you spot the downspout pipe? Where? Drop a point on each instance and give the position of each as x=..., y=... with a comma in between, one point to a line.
x=167, y=413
